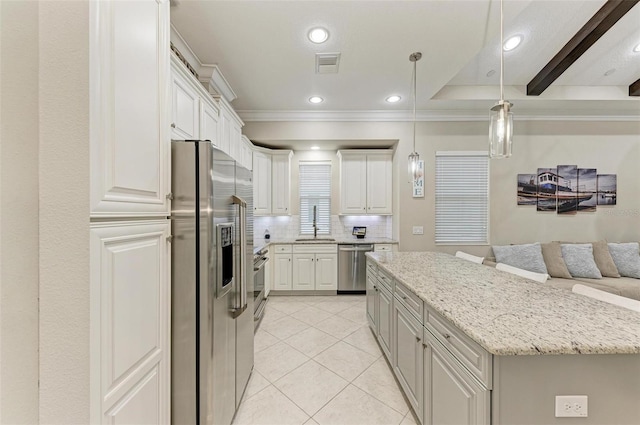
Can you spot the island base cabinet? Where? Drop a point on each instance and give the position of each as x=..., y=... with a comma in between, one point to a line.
x=451, y=395
x=408, y=362
x=372, y=301
x=385, y=320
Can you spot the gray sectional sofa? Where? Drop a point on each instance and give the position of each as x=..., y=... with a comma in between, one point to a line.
x=557, y=257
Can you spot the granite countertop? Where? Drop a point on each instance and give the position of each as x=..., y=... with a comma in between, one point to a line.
x=349, y=240
x=510, y=315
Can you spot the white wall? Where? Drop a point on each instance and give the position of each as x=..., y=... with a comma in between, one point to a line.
x=611, y=147
x=19, y=212
x=64, y=212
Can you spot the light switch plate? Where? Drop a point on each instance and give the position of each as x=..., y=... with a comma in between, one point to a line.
x=571, y=406
x=418, y=230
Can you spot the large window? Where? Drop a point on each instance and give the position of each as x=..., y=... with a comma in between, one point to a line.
x=315, y=191
x=462, y=198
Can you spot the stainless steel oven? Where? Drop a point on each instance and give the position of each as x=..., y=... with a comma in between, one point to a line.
x=259, y=295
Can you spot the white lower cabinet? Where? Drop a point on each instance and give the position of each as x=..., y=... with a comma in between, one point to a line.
x=282, y=267
x=129, y=314
x=408, y=362
x=451, y=394
x=315, y=267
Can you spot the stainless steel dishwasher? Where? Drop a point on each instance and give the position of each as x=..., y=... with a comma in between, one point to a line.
x=352, y=268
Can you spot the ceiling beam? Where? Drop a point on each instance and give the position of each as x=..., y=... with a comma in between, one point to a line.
x=634, y=88
x=600, y=23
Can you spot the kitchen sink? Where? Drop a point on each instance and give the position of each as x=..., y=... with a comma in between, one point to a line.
x=315, y=239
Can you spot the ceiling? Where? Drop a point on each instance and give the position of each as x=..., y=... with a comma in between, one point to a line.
x=262, y=49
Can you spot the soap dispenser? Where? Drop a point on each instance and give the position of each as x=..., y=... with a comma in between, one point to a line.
x=267, y=236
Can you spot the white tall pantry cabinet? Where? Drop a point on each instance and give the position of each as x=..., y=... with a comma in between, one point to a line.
x=130, y=251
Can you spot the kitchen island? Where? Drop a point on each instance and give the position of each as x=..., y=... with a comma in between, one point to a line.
x=498, y=348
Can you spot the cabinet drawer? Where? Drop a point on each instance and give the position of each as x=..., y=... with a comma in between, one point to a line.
x=385, y=279
x=372, y=269
x=382, y=247
x=315, y=248
x=282, y=249
x=409, y=299
x=468, y=352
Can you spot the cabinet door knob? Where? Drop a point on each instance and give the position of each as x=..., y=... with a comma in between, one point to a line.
x=418, y=339
x=173, y=125
x=425, y=346
x=447, y=336
x=404, y=297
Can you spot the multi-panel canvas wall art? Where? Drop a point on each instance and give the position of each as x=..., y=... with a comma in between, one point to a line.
x=567, y=189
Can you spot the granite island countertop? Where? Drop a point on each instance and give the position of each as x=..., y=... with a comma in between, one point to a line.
x=511, y=315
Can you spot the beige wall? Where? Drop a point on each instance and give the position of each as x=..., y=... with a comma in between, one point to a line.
x=19, y=212
x=611, y=147
x=64, y=212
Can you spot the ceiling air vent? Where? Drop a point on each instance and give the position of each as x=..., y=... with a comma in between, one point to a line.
x=327, y=63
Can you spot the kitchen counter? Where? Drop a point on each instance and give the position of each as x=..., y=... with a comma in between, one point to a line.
x=350, y=240
x=510, y=315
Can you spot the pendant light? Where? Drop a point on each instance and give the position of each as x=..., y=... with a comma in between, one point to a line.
x=414, y=157
x=501, y=127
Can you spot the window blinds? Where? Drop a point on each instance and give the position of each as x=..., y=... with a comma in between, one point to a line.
x=315, y=190
x=462, y=198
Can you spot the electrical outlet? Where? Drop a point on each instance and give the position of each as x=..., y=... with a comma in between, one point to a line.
x=418, y=230
x=571, y=406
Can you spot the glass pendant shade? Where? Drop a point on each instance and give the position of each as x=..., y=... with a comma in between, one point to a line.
x=413, y=165
x=501, y=130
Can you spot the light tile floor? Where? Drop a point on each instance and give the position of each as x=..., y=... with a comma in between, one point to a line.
x=317, y=362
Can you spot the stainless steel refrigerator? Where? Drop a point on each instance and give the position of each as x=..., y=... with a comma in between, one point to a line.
x=211, y=284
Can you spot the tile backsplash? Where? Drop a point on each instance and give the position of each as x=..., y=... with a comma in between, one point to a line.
x=288, y=227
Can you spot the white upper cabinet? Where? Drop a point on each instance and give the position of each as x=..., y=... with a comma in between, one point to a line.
x=129, y=108
x=261, y=183
x=272, y=182
x=379, y=183
x=281, y=182
x=230, y=130
x=247, y=153
x=366, y=182
x=209, y=122
x=185, y=104
x=353, y=184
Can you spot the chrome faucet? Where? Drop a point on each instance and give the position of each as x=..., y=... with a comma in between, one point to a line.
x=315, y=225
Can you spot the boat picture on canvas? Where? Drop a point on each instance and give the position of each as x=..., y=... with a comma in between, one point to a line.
x=567, y=189
x=607, y=189
x=527, y=189
x=547, y=178
x=587, y=189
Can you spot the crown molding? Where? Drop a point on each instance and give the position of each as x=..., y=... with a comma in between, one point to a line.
x=407, y=116
x=209, y=75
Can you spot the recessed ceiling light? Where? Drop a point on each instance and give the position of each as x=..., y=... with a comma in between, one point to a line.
x=637, y=48
x=318, y=35
x=315, y=99
x=512, y=42
x=609, y=72
x=393, y=99
x=315, y=148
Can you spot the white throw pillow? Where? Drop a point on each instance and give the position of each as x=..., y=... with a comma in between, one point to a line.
x=526, y=257
x=626, y=256
x=579, y=260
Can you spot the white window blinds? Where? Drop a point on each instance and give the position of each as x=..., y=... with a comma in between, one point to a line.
x=315, y=191
x=462, y=198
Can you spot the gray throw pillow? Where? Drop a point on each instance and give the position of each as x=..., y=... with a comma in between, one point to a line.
x=526, y=256
x=627, y=258
x=579, y=260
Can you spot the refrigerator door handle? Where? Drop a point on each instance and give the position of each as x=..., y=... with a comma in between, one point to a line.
x=241, y=300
